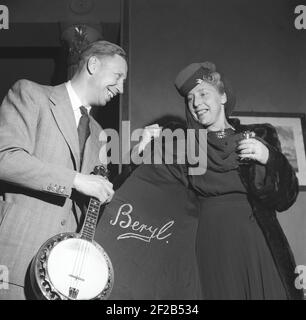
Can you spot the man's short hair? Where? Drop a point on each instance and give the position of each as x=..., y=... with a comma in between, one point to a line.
x=99, y=49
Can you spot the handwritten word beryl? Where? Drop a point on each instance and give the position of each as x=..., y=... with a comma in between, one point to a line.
x=4, y=17
x=300, y=20
x=136, y=229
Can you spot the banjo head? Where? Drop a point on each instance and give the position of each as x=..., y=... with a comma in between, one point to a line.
x=71, y=268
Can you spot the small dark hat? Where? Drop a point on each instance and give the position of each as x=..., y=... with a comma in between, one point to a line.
x=189, y=77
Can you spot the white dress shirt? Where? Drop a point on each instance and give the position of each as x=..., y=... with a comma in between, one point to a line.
x=75, y=102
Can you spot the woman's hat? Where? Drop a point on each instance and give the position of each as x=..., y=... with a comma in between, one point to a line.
x=193, y=74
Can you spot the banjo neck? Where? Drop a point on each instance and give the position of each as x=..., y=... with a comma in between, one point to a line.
x=91, y=219
x=92, y=214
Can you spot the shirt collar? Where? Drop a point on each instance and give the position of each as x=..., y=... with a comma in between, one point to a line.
x=74, y=99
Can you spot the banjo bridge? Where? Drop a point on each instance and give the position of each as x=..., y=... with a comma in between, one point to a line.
x=76, y=277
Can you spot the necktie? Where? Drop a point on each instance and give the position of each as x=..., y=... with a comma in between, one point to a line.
x=83, y=130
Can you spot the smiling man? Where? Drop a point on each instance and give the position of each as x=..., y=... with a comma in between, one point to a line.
x=49, y=145
x=100, y=76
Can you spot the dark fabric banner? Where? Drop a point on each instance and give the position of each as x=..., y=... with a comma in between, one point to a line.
x=148, y=230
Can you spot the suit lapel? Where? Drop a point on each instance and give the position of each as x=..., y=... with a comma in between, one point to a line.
x=63, y=114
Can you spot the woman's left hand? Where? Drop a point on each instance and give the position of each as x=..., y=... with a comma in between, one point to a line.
x=253, y=149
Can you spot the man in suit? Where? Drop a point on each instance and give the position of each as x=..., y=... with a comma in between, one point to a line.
x=44, y=169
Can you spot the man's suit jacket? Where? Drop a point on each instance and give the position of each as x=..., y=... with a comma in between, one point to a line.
x=39, y=157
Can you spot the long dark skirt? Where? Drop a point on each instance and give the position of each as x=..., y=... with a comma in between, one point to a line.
x=233, y=257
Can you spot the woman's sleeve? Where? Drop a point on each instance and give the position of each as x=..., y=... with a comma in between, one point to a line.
x=161, y=153
x=275, y=185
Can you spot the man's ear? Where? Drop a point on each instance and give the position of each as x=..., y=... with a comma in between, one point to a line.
x=224, y=98
x=92, y=64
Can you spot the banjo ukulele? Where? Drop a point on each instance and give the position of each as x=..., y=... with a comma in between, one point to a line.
x=72, y=266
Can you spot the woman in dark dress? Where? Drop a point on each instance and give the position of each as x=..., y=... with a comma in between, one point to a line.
x=242, y=252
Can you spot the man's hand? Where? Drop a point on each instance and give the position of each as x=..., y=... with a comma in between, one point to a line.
x=94, y=186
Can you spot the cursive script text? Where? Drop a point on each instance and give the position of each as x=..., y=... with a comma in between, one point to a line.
x=136, y=229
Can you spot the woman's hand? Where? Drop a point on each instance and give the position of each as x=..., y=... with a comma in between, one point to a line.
x=253, y=149
x=149, y=132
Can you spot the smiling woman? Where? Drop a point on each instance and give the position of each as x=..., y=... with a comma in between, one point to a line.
x=206, y=104
x=242, y=252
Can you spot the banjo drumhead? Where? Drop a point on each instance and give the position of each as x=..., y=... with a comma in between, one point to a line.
x=78, y=269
